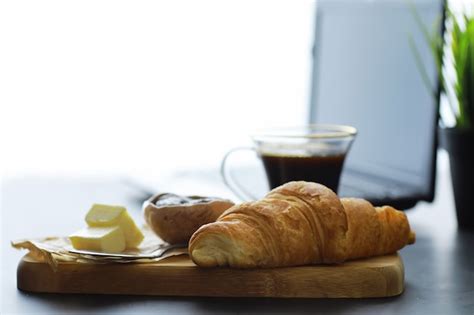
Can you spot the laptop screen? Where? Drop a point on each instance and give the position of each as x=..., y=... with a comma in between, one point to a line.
x=365, y=75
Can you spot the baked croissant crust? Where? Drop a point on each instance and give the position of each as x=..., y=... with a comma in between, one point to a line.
x=299, y=223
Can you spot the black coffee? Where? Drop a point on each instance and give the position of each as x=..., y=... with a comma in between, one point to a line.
x=325, y=170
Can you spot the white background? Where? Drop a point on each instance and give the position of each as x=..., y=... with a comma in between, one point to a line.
x=138, y=87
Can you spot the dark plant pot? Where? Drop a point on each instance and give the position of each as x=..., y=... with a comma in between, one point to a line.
x=460, y=146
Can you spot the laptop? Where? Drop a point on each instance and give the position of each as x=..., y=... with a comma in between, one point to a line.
x=365, y=75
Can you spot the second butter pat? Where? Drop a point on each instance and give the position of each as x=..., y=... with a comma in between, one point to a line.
x=101, y=215
x=102, y=239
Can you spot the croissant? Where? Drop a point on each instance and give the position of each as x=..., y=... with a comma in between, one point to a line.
x=299, y=223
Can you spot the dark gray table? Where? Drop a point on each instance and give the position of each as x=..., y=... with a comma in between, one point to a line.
x=439, y=267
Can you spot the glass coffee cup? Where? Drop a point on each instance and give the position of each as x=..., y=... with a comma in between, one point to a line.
x=314, y=153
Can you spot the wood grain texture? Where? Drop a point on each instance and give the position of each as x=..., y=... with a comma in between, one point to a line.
x=178, y=276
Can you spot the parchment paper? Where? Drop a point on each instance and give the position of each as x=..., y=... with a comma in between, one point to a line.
x=54, y=250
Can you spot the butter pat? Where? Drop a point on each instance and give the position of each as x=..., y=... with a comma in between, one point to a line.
x=101, y=215
x=111, y=230
x=102, y=239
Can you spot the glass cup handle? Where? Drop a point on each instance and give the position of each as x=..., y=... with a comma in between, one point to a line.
x=239, y=190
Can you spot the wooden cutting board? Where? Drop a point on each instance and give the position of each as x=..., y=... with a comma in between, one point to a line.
x=179, y=276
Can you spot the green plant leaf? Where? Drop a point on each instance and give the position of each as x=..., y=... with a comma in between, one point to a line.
x=421, y=67
x=462, y=49
x=460, y=46
x=468, y=80
x=436, y=44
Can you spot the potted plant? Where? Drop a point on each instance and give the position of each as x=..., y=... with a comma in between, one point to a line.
x=454, y=56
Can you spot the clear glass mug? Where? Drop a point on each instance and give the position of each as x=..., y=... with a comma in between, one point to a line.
x=314, y=153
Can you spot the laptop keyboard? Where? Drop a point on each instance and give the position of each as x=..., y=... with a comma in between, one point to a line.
x=371, y=188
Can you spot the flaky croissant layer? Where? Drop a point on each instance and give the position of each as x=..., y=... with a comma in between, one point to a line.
x=299, y=223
